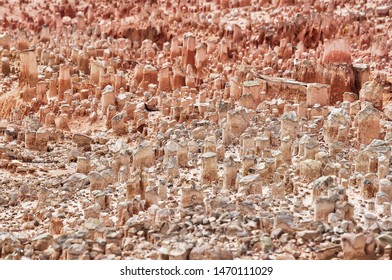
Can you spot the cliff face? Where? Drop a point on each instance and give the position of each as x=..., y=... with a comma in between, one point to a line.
x=8, y=103
x=334, y=67
x=341, y=77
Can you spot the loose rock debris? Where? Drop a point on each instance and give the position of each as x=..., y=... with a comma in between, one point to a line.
x=213, y=129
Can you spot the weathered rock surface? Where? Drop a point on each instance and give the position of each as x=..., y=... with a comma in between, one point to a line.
x=195, y=129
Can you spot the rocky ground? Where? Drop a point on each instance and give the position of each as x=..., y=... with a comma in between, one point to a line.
x=212, y=129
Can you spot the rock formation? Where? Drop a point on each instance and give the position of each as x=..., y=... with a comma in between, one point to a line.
x=195, y=129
